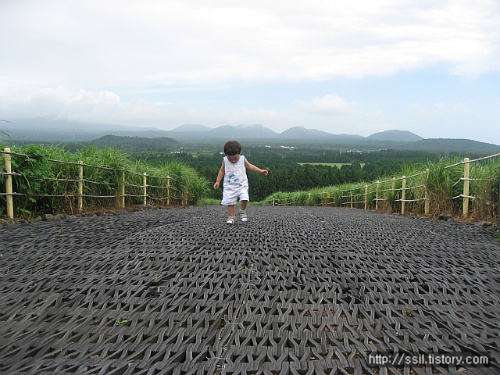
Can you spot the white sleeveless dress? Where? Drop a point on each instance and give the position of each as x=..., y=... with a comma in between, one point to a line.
x=235, y=182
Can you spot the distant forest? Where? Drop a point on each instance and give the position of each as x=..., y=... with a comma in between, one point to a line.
x=286, y=174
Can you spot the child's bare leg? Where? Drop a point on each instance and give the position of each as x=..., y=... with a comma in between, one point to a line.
x=243, y=205
x=243, y=213
x=230, y=208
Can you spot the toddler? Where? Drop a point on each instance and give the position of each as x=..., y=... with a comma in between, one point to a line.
x=235, y=186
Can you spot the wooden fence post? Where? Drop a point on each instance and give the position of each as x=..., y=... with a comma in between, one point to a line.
x=8, y=184
x=80, y=185
x=427, y=198
x=123, y=189
x=352, y=197
x=403, y=195
x=393, y=191
x=376, y=195
x=168, y=190
x=144, y=187
x=366, y=197
x=465, y=203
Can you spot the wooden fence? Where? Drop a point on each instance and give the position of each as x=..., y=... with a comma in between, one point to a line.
x=370, y=196
x=398, y=193
x=77, y=189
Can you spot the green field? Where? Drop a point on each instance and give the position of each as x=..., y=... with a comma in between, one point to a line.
x=338, y=165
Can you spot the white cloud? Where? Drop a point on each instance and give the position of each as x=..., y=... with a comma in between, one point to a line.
x=122, y=61
x=18, y=100
x=107, y=107
x=126, y=43
x=331, y=104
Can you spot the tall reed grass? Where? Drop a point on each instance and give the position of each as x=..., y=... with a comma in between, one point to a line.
x=435, y=183
x=39, y=176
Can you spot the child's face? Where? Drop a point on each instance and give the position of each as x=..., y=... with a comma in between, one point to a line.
x=233, y=158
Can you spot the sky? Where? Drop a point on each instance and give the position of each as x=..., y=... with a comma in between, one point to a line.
x=431, y=67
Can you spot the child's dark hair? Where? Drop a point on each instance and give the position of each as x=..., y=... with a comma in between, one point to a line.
x=232, y=148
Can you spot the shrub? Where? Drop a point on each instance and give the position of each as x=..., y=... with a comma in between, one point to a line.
x=442, y=183
x=39, y=177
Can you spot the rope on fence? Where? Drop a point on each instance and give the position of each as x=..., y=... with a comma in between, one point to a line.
x=472, y=161
x=12, y=153
x=391, y=180
x=137, y=186
x=464, y=196
x=84, y=195
x=68, y=196
x=353, y=195
x=158, y=187
x=51, y=195
x=471, y=179
x=412, y=200
x=406, y=188
x=147, y=175
x=70, y=180
x=413, y=187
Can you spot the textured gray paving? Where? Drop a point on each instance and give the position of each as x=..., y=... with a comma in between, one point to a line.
x=296, y=290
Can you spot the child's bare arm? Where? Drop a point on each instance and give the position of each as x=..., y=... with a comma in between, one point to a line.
x=255, y=169
x=220, y=175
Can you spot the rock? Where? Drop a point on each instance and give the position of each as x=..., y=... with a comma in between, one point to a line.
x=484, y=224
x=445, y=217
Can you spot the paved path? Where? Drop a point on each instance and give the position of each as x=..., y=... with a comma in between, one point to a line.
x=296, y=290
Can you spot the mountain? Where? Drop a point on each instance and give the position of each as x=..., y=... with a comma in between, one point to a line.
x=455, y=145
x=395, y=135
x=191, y=128
x=299, y=132
x=47, y=129
x=242, y=132
x=225, y=132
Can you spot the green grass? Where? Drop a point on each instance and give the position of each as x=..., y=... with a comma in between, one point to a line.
x=338, y=165
x=209, y=201
x=39, y=177
x=440, y=185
